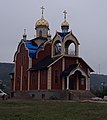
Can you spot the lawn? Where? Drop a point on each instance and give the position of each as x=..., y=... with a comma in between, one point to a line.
x=52, y=110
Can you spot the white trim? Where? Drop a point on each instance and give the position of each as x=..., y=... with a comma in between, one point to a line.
x=77, y=83
x=79, y=69
x=56, y=38
x=63, y=68
x=18, y=49
x=88, y=87
x=49, y=79
x=83, y=73
x=39, y=80
x=30, y=62
x=30, y=65
x=28, y=80
x=67, y=83
x=21, y=78
x=55, y=61
x=72, y=38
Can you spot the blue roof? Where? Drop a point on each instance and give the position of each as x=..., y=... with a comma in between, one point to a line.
x=33, y=48
x=63, y=34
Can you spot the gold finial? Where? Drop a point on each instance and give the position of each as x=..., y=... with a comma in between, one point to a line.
x=24, y=35
x=65, y=14
x=24, y=31
x=42, y=8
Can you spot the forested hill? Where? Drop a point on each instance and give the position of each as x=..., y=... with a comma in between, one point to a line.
x=98, y=81
x=7, y=68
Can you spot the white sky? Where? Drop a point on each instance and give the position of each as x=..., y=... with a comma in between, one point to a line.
x=87, y=19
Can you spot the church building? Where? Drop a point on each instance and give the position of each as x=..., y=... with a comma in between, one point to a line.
x=50, y=68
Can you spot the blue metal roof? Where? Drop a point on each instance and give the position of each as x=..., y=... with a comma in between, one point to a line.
x=63, y=34
x=33, y=48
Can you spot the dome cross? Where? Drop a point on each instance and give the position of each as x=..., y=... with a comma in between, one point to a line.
x=42, y=8
x=65, y=14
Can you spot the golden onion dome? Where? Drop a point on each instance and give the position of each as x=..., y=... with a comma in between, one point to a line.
x=65, y=24
x=42, y=22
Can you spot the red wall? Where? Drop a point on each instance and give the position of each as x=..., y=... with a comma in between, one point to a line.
x=34, y=80
x=84, y=66
x=17, y=72
x=82, y=87
x=57, y=66
x=42, y=54
x=21, y=60
x=43, y=79
x=69, y=61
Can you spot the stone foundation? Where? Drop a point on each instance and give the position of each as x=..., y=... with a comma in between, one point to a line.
x=54, y=94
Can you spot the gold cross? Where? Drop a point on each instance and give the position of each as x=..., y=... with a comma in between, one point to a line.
x=24, y=31
x=42, y=8
x=65, y=14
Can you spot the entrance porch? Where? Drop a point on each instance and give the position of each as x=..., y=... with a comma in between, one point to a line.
x=76, y=81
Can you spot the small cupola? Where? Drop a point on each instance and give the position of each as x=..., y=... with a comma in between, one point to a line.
x=24, y=35
x=65, y=24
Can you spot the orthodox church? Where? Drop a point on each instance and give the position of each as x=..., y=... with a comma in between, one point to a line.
x=50, y=68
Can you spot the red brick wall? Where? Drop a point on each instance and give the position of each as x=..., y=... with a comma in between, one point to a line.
x=82, y=87
x=17, y=72
x=57, y=66
x=43, y=79
x=84, y=66
x=21, y=60
x=69, y=61
x=34, y=80
x=42, y=54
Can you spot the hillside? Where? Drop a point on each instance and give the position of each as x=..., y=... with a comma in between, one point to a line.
x=6, y=68
x=98, y=81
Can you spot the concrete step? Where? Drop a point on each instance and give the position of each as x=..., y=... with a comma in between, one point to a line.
x=80, y=95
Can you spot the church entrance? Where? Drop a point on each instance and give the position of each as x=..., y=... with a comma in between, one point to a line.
x=76, y=81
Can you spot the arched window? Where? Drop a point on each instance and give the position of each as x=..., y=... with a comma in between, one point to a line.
x=70, y=48
x=40, y=33
x=57, y=48
x=82, y=81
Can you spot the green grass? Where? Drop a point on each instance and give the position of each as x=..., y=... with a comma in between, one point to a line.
x=52, y=110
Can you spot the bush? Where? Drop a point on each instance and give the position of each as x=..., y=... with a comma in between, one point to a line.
x=100, y=93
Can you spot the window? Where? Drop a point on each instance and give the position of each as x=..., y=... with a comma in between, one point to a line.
x=40, y=33
x=70, y=48
x=57, y=48
x=56, y=76
x=82, y=81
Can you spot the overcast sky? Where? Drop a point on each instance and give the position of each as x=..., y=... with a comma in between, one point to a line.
x=87, y=19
